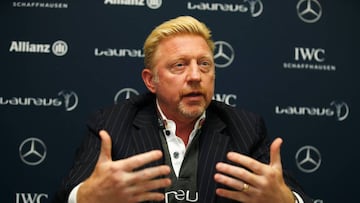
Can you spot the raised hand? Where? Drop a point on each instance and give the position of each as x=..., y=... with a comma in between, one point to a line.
x=260, y=183
x=117, y=181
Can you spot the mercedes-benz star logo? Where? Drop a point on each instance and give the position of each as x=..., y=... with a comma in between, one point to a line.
x=224, y=54
x=125, y=94
x=32, y=151
x=309, y=11
x=308, y=159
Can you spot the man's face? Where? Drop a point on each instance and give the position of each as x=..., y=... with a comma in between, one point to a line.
x=183, y=76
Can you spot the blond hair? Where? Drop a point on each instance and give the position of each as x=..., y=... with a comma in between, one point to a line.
x=176, y=26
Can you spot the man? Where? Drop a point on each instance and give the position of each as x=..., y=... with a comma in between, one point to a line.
x=175, y=144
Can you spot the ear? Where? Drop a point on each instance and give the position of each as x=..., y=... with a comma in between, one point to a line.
x=147, y=76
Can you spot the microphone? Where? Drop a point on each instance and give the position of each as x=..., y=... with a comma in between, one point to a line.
x=160, y=123
x=162, y=126
x=166, y=132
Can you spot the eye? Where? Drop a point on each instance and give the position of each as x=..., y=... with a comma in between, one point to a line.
x=205, y=65
x=178, y=67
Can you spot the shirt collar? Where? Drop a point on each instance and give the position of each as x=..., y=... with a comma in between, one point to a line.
x=198, y=124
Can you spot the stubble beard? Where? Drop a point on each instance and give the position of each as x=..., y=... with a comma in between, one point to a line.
x=191, y=112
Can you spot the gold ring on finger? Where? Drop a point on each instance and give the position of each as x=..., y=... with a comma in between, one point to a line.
x=245, y=188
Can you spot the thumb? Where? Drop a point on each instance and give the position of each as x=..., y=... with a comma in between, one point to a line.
x=105, y=151
x=275, y=157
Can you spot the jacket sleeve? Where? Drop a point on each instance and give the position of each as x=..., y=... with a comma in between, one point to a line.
x=85, y=159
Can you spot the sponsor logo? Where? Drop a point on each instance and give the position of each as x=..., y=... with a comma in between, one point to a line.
x=183, y=196
x=132, y=53
x=318, y=201
x=309, y=54
x=30, y=197
x=68, y=99
x=71, y=99
x=32, y=151
x=229, y=99
x=338, y=109
x=309, y=11
x=21, y=4
x=125, y=93
x=254, y=7
x=58, y=48
x=309, y=59
x=223, y=54
x=152, y=4
x=308, y=159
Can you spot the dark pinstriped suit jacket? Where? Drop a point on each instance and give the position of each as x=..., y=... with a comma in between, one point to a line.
x=134, y=129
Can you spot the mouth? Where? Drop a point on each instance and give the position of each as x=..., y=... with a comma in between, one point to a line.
x=194, y=96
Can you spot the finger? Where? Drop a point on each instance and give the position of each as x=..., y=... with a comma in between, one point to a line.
x=148, y=174
x=247, y=162
x=233, y=183
x=234, y=195
x=148, y=196
x=149, y=185
x=236, y=172
x=275, y=157
x=105, y=151
x=136, y=161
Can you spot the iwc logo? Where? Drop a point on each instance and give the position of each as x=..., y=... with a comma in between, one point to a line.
x=308, y=159
x=32, y=151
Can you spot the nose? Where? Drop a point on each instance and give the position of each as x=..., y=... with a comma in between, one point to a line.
x=194, y=72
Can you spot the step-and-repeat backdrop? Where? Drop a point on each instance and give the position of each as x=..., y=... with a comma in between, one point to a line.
x=295, y=62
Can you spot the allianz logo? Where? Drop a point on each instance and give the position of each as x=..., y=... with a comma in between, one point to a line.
x=340, y=110
x=58, y=48
x=153, y=4
x=137, y=53
x=68, y=99
x=126, y=2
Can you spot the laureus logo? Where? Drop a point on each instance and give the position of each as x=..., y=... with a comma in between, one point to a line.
x=71, y=99
x=338, y=109
x=341, y=109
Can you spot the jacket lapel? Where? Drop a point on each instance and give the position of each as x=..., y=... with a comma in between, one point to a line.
x=146, y=135
x=213, y=149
